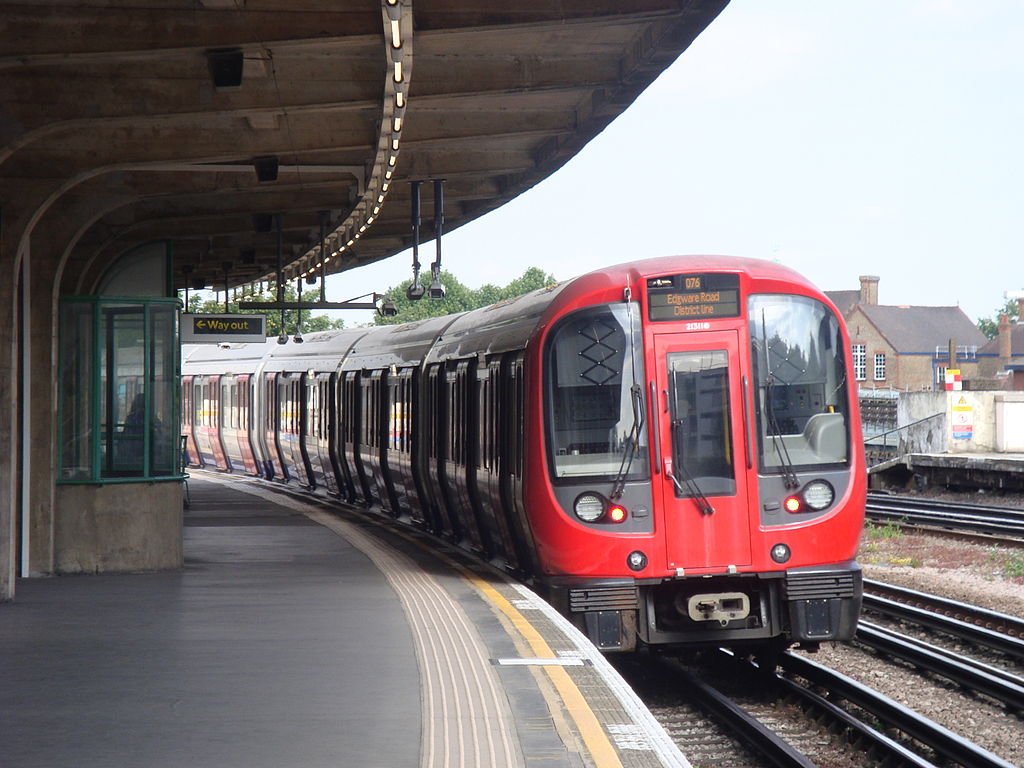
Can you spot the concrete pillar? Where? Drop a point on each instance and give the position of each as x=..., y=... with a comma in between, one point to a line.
x=40, y=406
x=8, y=403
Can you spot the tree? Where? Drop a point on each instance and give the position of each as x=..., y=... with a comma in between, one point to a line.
x=990, y=325
x=458, y=297
x=197, y=305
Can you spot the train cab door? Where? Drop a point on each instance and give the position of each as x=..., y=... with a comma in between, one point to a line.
x=701, y=449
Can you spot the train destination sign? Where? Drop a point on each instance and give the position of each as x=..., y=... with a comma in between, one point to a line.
x=693, y=297
x=213, y=329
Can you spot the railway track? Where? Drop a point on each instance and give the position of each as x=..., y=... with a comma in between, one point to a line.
x=726, y=711
x=979, y=626
x=940, y=745
x=791, y=719
x=998, y=684
x=975, y=519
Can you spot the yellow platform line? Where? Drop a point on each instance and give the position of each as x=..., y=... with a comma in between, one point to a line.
x=593, y=735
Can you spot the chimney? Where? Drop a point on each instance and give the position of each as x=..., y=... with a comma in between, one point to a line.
x=1005, y=340
x=868, y=290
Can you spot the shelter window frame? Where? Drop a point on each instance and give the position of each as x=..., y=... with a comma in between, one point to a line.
x=118, y=395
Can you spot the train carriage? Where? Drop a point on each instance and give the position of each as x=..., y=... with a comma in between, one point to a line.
x=665, y=449
x=388, y=365
x=302, y=379
x=216, y=408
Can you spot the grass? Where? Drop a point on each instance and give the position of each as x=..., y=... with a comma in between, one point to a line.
x=889, y=530
x=1011, y=564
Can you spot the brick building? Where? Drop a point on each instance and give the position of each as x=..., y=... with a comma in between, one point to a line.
x=1002, y=358
x=907, y=348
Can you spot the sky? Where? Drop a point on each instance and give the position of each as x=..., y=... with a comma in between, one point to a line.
x=840, y=139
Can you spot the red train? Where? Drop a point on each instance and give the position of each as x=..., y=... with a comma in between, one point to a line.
x=667, y=450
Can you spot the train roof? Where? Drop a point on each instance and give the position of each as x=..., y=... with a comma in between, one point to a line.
x=756, y=269
x=399, y=345
x=223, y=358
x=497, y=328
x=321, y=351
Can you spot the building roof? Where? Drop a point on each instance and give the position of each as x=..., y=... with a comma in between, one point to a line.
x=844, y=300
x=1016, y=342
x=923, y=329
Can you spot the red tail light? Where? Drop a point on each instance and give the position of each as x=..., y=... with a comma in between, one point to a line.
x=617, y=513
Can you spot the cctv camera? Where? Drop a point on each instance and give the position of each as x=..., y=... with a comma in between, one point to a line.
x=415, y=292
x=436, y=290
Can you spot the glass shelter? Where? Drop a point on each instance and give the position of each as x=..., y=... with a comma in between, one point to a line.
x=118, y=390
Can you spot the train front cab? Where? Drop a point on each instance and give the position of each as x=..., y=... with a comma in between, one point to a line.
x=756, y=484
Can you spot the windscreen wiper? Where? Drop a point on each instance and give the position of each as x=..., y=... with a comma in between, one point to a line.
x=789, y=477
x=689, y=487
x=637, y=397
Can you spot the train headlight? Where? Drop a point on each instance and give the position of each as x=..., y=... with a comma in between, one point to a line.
x=636, y=560
x=818, y=495
x=780, y=553
x=793, y=504
x=589, y=507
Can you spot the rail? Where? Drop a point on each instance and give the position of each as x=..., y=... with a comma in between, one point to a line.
x=949, y=746
x=996, y=683
x=1005, y=522
x=970, y=623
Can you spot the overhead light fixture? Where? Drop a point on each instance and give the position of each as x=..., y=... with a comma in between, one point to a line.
x=266, y=167
x=226, y=66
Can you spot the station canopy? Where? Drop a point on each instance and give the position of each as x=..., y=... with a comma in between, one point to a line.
x=205, y=123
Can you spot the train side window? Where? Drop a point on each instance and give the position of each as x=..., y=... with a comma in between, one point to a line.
x=225, y=398
x=243, y=404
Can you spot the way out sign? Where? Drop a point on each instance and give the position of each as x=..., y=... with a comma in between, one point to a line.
x=963, y=419
x=213, y=329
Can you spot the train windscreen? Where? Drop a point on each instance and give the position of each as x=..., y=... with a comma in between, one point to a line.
x=595, y=395
x=800, y=383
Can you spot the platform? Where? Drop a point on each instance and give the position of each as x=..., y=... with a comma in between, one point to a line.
x=989, y=471
x=298, y=635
